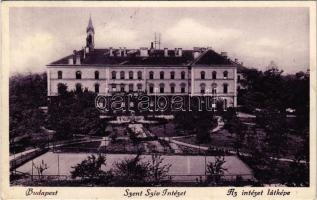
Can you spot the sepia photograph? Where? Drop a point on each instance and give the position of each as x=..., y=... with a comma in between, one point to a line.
x=151, y=96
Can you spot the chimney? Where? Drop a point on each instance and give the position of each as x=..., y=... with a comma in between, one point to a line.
x=152, y=46
x=165, y=52
x=224, y=54
x=120, y=52
x=144, y=52
x=77, y=59
x=110, y=52
x=236, y=60
x=124, y=51
x=196, y=52
x=70, y=61
x=180, y=52
x=84, y=53
x=74, y=56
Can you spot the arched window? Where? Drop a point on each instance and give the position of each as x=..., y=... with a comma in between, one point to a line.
x=130, y=74
x=78, y=87
x=130, y=87
x=214, y=88
x=214, y=75
x=151, y=75
x=161, y=75
x=78, y=75
x=182, y=75
x=122, y=75
x=97, y=88
x=202, y=75
x=225, y=88
x=151, y=88
x=139, y=86
x=161, y=87
x=225, y=74
x=139, y=75
x=60, y=74
x=172, y=75
x=96, y=75
x=183, y=87
x=172, y=85
x=113, y=74
x=202, y=88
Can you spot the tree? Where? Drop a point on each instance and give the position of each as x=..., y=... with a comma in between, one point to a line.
x=216, y=170
x=89, y=170
x=158, y=172
x=132, y=172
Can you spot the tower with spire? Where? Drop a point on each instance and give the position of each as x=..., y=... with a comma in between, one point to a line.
x=90, y=40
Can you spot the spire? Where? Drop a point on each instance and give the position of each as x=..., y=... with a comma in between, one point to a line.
x=90, y=26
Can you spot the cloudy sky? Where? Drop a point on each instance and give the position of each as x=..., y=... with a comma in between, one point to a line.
x=255, y=36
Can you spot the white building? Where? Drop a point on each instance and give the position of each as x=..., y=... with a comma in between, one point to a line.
x=200, y=71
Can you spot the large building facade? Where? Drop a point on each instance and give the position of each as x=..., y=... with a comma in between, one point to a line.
x=196, y=72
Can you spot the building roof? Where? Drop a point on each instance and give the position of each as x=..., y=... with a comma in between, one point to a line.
x=155, y=57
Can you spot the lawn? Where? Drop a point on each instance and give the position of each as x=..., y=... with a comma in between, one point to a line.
x=163, y=130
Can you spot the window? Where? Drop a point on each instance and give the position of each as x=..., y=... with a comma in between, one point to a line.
x=78, y=75
x=130, y=75
x=139, y=86
x=161, y=75
x=97, y=88
x=139, y=75
x=239, y=78
x=122, y=75
x=130, y=87
x=96, y=75
x=61, y=88
x=225, y=88
x=121, y=88
x=202, y=75
x=151, y=89
x=172, y=75
x=60, y=74
x=183, y=85
x=183, y=75
x=151, y=74
x=78, y=87
x=214, y=88
x=225, y=74
x=214, y=75
x=172, y=88
x=202, y=88
x=162, y=88
x=113, y=74
x=114, y=88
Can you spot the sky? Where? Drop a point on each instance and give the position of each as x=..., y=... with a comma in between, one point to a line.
x=256, y=36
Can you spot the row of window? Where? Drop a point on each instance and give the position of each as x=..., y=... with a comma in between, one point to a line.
x=213, y=75
x=213, y=88
x=151, y=75
x=161, y=88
